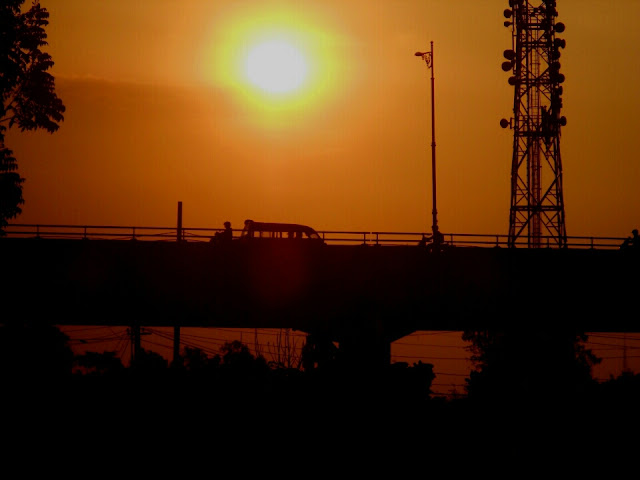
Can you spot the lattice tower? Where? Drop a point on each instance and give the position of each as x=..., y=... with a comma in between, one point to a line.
x=537, y=204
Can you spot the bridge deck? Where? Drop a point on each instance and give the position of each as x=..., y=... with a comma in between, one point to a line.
x=338, y=289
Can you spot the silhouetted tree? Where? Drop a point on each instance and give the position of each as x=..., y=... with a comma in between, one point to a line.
x=622, y=392
x=410, y=385
x=147, y=379
x=198, y=366
x=526, y=364
x=10, y=186
x=32, y=353
x=237, y=357
x=194, y=359
x=29, y=100
x=241, y=375
x=149, y=363
x=99, y=364
x=318, y=352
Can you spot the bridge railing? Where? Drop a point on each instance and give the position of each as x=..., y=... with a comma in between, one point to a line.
x=490, y=240
x=104, y=232
x=331, y=237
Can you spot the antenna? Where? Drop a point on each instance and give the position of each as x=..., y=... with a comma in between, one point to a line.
x=537, y=204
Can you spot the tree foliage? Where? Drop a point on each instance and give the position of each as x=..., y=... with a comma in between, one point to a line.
x=98, y=364
x=237, y=357
x=10, y=186
x=148, y=362
x=529, y=364
x=29, y=99
x=31, y=351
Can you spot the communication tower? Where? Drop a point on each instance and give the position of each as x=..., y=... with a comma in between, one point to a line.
x=537, y=205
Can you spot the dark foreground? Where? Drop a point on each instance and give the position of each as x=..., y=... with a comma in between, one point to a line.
x=320, y=428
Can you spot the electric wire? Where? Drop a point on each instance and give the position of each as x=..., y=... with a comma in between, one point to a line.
x=211, y=345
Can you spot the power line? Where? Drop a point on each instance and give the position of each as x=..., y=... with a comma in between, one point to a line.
x=212, y=344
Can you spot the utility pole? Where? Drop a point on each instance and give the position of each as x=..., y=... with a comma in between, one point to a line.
x=135, y=332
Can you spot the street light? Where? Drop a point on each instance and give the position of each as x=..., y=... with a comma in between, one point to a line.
x=428, y=59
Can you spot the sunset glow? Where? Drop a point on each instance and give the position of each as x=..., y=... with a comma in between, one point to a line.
x=274, y=62
x=182, y=99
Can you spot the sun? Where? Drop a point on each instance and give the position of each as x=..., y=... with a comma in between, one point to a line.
x=279, y=66
x=276, y=66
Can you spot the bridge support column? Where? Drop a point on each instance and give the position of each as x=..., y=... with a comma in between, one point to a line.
x=365, y=353
x=135, y=342
x=365, y=344
x=177, y=359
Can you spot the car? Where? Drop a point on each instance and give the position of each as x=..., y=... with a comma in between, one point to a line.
x=285, y=231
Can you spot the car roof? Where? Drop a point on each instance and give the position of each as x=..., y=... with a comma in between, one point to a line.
x=279, y=227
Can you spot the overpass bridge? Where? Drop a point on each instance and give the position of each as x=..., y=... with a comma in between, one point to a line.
x=361, y=290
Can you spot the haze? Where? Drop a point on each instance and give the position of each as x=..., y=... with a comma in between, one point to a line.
x=157, y=114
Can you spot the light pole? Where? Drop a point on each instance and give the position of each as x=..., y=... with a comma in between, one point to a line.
x=428, y=58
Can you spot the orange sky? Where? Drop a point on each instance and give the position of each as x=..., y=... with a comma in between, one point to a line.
x=158, y=112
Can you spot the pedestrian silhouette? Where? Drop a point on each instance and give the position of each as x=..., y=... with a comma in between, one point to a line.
x=434, y=241
x=626, y=243
x=227, y=234
x=224, y=236
x=635, y=239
